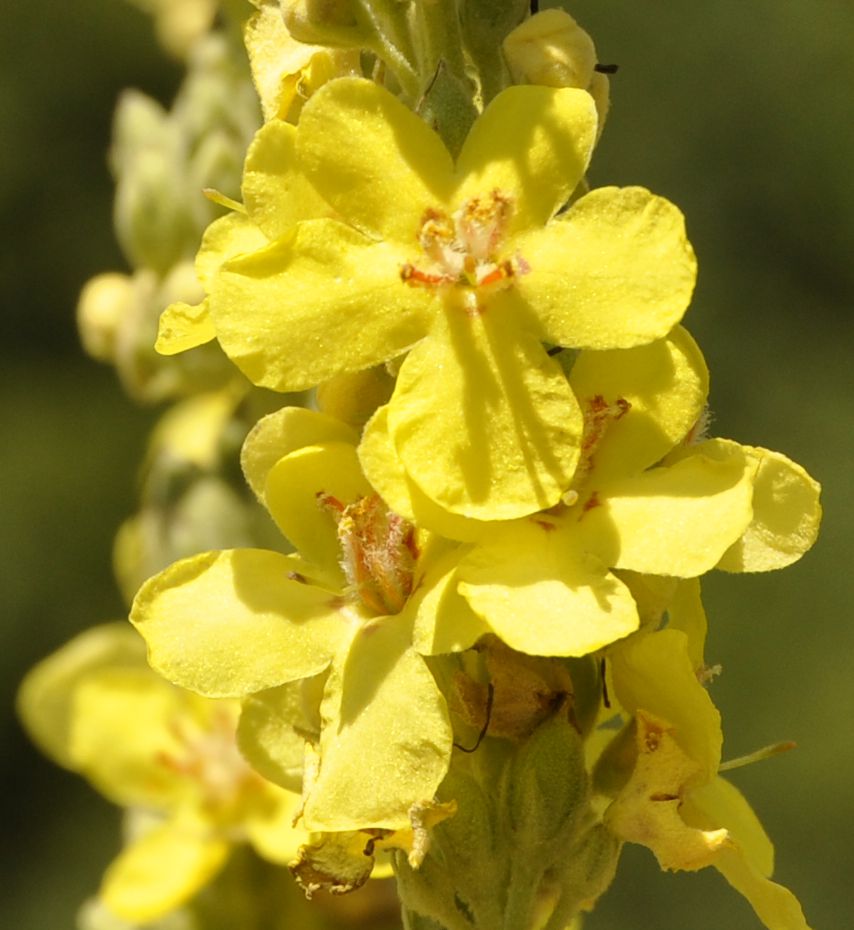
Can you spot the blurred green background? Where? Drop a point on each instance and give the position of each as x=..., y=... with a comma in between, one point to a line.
x=739, y=112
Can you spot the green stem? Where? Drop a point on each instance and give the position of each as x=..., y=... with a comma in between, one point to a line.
x=438, y=38
x=392, y=42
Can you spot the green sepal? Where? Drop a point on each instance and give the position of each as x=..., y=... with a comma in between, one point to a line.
x=448, y=107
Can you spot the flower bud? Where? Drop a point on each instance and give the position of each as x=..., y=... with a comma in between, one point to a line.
x=550, y=48
x=354, y=396
x=100, y=309
x=325, y=22
x=546, y=790
x=150, y=211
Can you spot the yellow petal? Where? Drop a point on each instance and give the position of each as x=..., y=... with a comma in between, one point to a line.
x=269, y=824
x=276, y=193
x=161, y=871
x=377, y=163
x=231, y=235
x=191, y=431
x=282, y=432
x=322, y=300
x=126, y=763
x=383, y=468
x=786, y=516
x=665, y=383
x=292, y=490
x=235, y=622
x=647, y=809
x=483, y=420
x=675, y=520
x=721, y=804
x=656, y=674
x=774, y=905
x=276, y=59
x=183, y=326
x=533, y=143
x=45, y=699
x=543, y=596
x=614, y=271
x=386, y=738
x=685, y=612
x=444, y=622
x=273, y=729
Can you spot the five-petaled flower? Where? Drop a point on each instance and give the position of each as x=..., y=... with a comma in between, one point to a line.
x=255, y=623
x=469, y=268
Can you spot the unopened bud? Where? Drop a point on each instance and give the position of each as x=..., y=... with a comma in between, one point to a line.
x=100, y=309
x=325, y=22
x=550, y=48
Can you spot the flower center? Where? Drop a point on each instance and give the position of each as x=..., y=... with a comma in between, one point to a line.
x=210, y=758
x=464, y=249
x=378, y=552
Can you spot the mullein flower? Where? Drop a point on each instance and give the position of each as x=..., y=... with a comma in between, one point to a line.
x=673, y=800
x=467, y=266
x=243, y=622
x=167, y=755
x=640, y=501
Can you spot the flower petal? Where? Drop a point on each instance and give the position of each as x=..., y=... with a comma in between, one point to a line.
x=483, y=420
x=45, y=699
x=533, y=143
x=160, y=872
x=386, y=738
x=322, y=300
x=774, y=905
x=184, y=326
x=720, y=803
x=374, y=160
x=276, y=59
x=269, y=824
x=647, y=810
x=675, y=520
x=282, y=432
x=655, y=673
x=614, y=271
x=231, y=235
x=786, y=516
x=273, y=729
x=685, y=612
x=126, y=763
x=276, y=193
x=292, y=490
x=384, y=469
x=444, y=622
x=665, y=383
x=232, y=623
x=542, y=595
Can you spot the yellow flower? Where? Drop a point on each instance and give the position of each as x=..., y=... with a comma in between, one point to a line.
x=242, y=623
x=169, y=756
x=674, y=801
x=468, y=265
x=641, y=501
